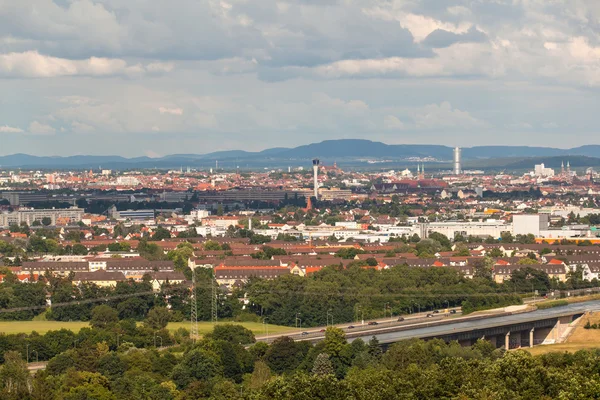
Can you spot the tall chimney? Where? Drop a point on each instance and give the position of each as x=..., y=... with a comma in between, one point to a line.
x=316, y=177
x=457, y=167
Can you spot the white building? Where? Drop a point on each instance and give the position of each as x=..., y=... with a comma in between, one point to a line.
x=196, y=216
x=491, y=228
x=524, y=224
x=73, y=215
x=541, y=171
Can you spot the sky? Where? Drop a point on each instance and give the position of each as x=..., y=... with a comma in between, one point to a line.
x=159, y=77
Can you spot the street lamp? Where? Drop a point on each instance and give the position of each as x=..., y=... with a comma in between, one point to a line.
x=160, y=337
x=266, y=327
x=37, y=357
x=297, y=321
x=329, y=314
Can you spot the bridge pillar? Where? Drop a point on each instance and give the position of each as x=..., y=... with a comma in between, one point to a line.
x=507, y=341
x=531, y=337
x=557, y=331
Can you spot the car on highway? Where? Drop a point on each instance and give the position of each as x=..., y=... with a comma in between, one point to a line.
x=304, y=333
x=452, y=311
x=429, y=315
x=322, y=330
x=373, y=323
x=351, y=327
x=400, y=319
x=436, y=311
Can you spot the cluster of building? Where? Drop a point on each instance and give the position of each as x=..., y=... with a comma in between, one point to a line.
x=454, y=204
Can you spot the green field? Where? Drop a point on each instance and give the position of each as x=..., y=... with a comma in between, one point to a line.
x=203, y=327
x=39, y=326
x=256, y=327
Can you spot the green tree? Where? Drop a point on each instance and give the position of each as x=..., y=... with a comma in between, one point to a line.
x=506, y=237
x=284, y=355
x=371, y=261
x=46, y=221
x=236, y=334
x=322, y=365
x=211, y=245
x=260, y=375
x=104, y=316
x=158, y=318
x=196, y=365
x=161, y=233
x=79, y=249
x=15, y=377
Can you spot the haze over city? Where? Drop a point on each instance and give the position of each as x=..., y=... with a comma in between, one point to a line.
x=299, y=199
x=167, y=77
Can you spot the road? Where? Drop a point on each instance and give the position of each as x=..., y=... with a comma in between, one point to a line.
x=441, y=326
x=364, y=326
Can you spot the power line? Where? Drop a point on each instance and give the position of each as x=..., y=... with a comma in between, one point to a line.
x=214, y=302
x=194, y=311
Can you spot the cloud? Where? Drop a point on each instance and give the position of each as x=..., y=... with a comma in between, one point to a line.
x=80, y=127
x=442, y=38
x=10, y=129
x=31, y=64
x=38, y=128
x=443, y=115
x=172, y=111
x=151, y=154
x=520, y=125
x=549, y=125
x=391, y=122
x=294, y=71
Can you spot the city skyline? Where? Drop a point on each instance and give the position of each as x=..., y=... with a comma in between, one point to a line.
x=158, y=78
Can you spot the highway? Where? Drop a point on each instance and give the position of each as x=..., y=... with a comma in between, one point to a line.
x=432, y=330
x=382, y=323
x=441, y=326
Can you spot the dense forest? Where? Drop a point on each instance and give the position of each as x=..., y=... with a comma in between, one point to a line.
x=228, y=364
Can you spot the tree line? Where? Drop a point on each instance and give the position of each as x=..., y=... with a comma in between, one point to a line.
x=228, y=364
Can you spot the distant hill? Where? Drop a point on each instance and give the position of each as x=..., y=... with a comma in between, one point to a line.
x=555, y=162
x=343, y=151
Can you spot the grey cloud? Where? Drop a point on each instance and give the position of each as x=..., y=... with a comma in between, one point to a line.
x=441, y=38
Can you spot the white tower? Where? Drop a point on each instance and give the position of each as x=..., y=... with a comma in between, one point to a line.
x=457, y=167
x=316, y=177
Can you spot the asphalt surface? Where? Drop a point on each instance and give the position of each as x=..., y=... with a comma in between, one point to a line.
x=431, y=329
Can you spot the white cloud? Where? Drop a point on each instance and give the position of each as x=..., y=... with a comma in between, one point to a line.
x=10, y=129
x=172, y=111
x=38, y=128
x=443, y=115
x=31, y=64
x=520, y=125
x=151, y=154
x=549, y=125
x=391, y=122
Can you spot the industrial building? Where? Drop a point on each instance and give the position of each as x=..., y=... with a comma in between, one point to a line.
x=59, y=216
x=487, y=228
x=138, y=215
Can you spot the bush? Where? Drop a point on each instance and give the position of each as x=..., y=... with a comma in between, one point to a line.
x=552, y=304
